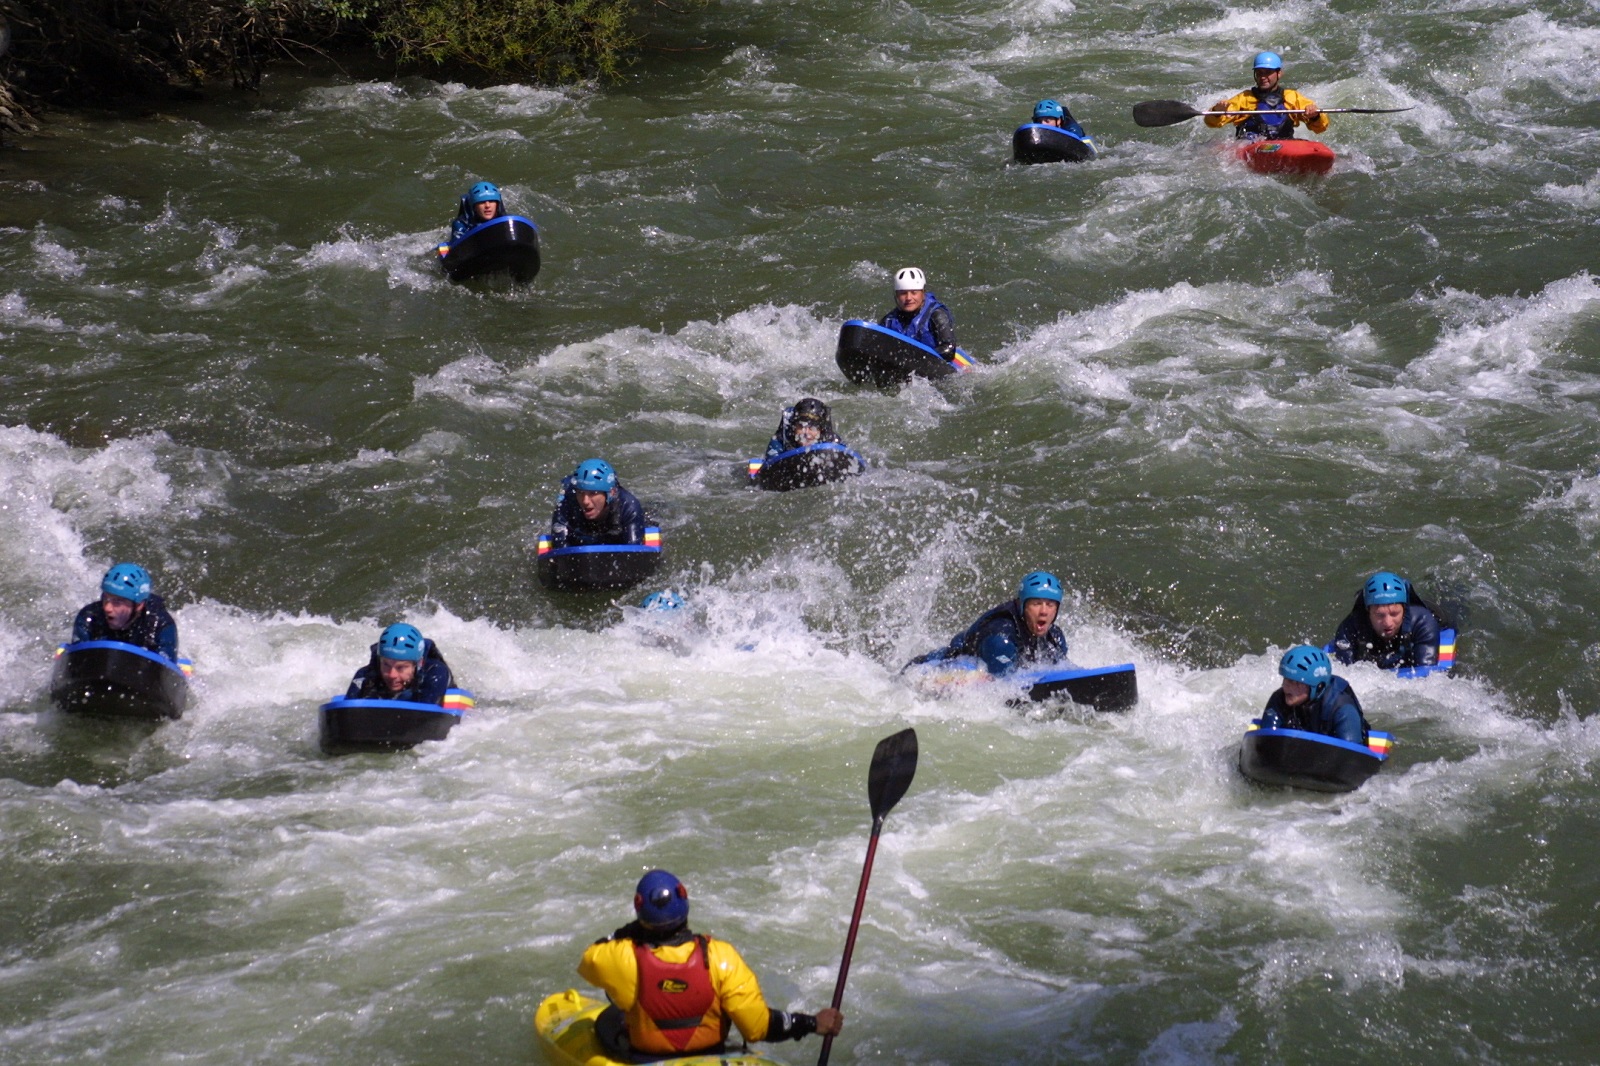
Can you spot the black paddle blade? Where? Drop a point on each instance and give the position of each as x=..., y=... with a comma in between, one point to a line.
x=894, y=764
x=1162, y=112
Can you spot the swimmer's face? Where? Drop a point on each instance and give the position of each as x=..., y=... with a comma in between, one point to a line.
x=1040, y=615
x=1386, y=618
x=119, y=611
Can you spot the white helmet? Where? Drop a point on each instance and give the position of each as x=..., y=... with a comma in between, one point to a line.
x=910, y=278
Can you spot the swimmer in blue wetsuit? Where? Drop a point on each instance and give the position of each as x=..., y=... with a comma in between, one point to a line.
x=1050, y=113
x=808, y=422
x=404, y=666
x=918, y=314
x=128, y=612
x=594, y=508
x=1312, y=700
x=1018, y=633
x=481, y=204
x=1389, y=625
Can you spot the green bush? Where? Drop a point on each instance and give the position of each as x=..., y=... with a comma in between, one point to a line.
x=543, y=40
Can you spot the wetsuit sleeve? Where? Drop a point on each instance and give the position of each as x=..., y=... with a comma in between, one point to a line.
x=739, y=992
x=611, y=967
x=997, y=645
x=1237, y=102
x=630, y=518
x=558, y=523
x=1345, y=640
x=943, y=327
x=1348, y=723
x=356, y=683
x=1294, y=101
x=1424, y=636
x=82, y=625
x=166, y=634
x=1273, y=716
x=775, y=447
x=434, y=683
x=888, y=321
x=462, y=222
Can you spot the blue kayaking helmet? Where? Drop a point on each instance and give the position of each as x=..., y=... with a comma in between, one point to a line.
x=1039, y=585
x=1048, y=109
x=128, y=580
x=1384, y=587
x=1307, y=665
x=483, y=192
x=401, y=642
x=998, y=652
x=594, y=475
x=661, y=901
x=665, y=600
x=1267, y=61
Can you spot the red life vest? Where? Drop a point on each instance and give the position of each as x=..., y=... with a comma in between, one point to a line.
x=677, y=1008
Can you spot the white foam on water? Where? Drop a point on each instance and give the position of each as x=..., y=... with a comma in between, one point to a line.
x=1585, y=195
x=1506, y=347
x=406, y=260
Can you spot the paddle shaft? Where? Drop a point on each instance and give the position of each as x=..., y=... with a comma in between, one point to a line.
x=1169, y=112
x=1320, y=111
x=855, y=927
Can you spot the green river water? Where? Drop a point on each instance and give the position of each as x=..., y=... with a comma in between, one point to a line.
x=1212, y=401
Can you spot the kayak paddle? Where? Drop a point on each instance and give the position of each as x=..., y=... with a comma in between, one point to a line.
x=894, y=763
x=1167, y=112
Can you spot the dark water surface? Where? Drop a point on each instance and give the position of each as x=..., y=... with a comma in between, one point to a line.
x=1212, y=401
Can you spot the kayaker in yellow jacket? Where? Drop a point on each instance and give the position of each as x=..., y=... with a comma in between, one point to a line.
x=674, y=992
x=1267, y=96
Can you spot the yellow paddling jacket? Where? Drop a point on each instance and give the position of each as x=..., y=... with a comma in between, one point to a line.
x=1247, y=101
x=654, y=1025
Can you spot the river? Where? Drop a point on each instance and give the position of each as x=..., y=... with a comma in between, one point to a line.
x=1212, y=401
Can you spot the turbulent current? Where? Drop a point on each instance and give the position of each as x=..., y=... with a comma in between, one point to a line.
x=1212, y=401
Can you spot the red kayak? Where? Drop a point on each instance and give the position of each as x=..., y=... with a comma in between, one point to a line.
x=1286, y=157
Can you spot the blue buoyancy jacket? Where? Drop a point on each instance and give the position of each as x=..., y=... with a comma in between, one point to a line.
x=1334, y=712
x=1417, y=643
x=1004, y=620
x=1275, y=127
x=429, y=685
x=622, y=523
x=152, y=629
x=932, y=324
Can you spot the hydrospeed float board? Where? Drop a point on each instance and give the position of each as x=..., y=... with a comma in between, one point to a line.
x=347, y=726
x=1312, y=761
x=108, y=677
x=1447, y=658
x=598, y=566
x=1034, y=142
x=1105, y=688
x=509, y=243
x=870, y=353
x=805, y=467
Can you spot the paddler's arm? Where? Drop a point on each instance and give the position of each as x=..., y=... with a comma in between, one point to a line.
x=612, y=967
x=1314, y=119
x=743, y=1003
x=1236, y=102
x=943, y=327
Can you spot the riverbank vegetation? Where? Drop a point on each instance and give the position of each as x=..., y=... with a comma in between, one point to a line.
x=98, y=52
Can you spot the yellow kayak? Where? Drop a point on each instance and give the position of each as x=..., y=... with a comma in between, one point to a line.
x=565, y=1025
